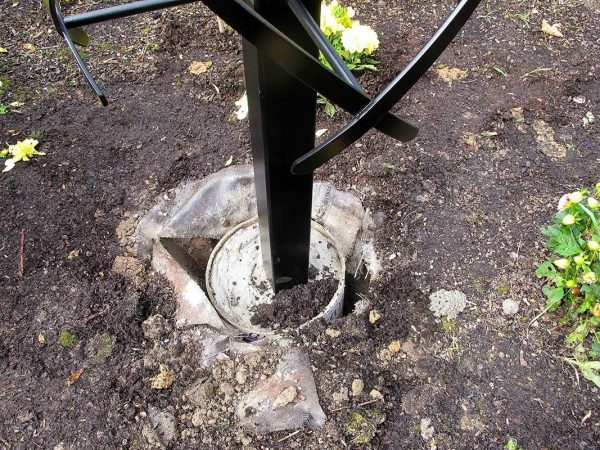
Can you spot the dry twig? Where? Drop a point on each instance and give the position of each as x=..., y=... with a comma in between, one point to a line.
x=21, y=251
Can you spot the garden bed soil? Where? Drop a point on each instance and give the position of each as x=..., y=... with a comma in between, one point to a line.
x=460, y=207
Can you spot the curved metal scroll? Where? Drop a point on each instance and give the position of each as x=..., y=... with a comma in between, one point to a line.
x=273, y=43
x=374, y=111
x=341, y=90
x=59, y=24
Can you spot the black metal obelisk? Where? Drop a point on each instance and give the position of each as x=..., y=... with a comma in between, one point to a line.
x=283, y=75
x=282, y=123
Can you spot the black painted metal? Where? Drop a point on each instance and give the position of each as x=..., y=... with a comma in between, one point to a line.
x=291, y=57
x=295, y=60
x=282, y=77
x=59, y=23
x=282, y=125
x=373, y=112
x=314, y=31
x=125, y=10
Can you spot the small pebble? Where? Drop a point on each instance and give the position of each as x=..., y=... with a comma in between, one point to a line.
x=394, y=347
x=358, y=386
x=510, y=307
x=376, y=395
x=332, y=333
x=374, y=316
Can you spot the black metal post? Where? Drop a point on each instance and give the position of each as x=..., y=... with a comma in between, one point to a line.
x=282, y=126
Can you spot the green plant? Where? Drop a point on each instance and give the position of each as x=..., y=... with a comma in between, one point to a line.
x=362, y=427
x=354, y=42
x=572, y=272
x=330, y=108
x=67, y=339
x=511, y=444
x=501, y=71
x=524, y=17
x=488, y=16
x=3, y=109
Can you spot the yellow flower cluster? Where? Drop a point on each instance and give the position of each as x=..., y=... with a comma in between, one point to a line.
x=355, y=38
x=335, y=18
x=360, y=39
x=21, y=151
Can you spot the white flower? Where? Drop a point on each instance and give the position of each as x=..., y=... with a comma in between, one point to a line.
x=592, y=203
x=329, y=23
x=242, y=105
x=569, y=219
x=575, y=197
x=563, y=202
x=590, y=278
x=351, y=12
x=359, y=39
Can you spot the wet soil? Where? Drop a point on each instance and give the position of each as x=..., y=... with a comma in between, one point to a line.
x=291, y=308
x=460, y=207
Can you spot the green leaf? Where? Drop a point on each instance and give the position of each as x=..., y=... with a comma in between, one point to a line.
x=587, y=368
x=575, y=338
x=500, y=71
x=79, y=36
x=591, y=288
x=561, y=241
x=546, y=269
x=591, y=375
x=586, y=304
x=555, y=297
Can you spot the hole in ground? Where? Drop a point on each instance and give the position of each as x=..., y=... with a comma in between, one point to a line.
x=356, y=289
x=192, y=255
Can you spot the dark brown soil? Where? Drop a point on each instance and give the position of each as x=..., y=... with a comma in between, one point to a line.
x=460, y=207
x=291, y=308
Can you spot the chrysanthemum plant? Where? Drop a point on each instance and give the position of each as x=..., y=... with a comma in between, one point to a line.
x=353, y=41
x=573, y=270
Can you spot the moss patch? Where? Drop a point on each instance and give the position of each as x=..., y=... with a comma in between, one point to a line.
x=67, y=339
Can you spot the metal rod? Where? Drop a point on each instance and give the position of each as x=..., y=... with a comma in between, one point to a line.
x=322, y=43
x=116, y=12
x=273, y=43
x=305, y=67
x=59, y=23
x=379, y=106
x=282, y=126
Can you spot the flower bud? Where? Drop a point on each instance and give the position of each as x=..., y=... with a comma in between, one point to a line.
x=593, y=203
x=579, y=260
x=570, y=284
x=569, y=219
x=590, y=277
x=593, y=245
x=562, y=263
x=575, y=197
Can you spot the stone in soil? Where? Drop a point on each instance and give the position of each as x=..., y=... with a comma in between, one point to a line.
x=293, y=307
x=447, y=303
